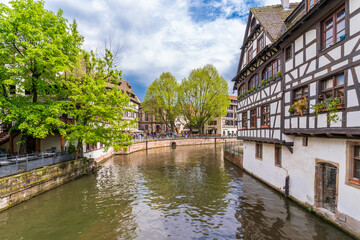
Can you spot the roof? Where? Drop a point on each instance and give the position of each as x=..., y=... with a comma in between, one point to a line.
x=272, y=18
x=126, y=87
x=233, y=98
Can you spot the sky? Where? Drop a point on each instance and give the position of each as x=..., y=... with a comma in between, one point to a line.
x=155, y=36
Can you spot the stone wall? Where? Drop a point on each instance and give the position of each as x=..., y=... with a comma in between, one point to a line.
x=237, y=160
x=168, y=142
x=18, y=188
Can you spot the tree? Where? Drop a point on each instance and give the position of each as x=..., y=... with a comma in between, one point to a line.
x=38, y=45
x=161, y=99
x=97, y=110
x=203, y=96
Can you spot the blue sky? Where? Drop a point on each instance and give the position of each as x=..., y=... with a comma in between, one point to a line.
x=155, y=36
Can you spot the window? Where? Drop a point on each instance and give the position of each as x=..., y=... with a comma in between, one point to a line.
x=244, y=120
x=301, y=93
x=213, y=123
x=265, y=116
x=242, y=89
x=288, y=53
x=90, y=147
x=253, y=118
x=311, y=3
x=356, y=162
x=146, y=117
x=305, y=141
x=12, y=89
x=271, y=69
x=334, y=28
x=278, y=156
x=231, y=107
x=254, y=81
x=230, y=115
x=258, y=150
x=333, y=88
x=260, y=44
x=146, y=127
x=250, y=54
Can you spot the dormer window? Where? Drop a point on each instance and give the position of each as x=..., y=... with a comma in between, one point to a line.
x=311, y=3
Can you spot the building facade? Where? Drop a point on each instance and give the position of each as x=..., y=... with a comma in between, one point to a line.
x=134, y=105
x=299, y=103
x=227, y=125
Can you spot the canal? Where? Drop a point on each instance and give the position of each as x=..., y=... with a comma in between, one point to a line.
x=184, y=193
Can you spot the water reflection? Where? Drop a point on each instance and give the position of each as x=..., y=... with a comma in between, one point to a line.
x=186, y=193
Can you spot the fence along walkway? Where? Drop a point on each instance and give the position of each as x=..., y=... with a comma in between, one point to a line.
x=19, y=164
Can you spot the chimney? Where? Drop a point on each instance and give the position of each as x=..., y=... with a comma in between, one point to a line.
x=285, y=4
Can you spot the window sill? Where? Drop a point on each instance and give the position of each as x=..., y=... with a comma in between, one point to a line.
x=325, y=50
x=354, y=181
x=252, y=127
x=244, y=128
x=265, y=126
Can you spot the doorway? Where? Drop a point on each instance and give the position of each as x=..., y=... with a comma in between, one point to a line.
x=326, y=186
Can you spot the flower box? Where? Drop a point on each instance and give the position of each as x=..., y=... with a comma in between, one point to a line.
x=265, y=126
x=244, y=128
x=354, y=180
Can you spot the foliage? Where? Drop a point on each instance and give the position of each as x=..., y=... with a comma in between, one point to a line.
x=271, y=78
x=161, y=100
x=96, y=109
x=278, y=74
x=300, y=105
x=203, y=95
x=36, y=45
x=291, y=110
x=331, y=106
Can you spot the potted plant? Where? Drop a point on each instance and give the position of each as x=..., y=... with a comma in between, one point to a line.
x=271, y=78
x=278, y=74
x=291, y=110
x=300, y=105
x=331, y=106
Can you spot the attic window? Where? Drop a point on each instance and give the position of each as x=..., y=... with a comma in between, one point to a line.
x=288, y=53
x=311, y=3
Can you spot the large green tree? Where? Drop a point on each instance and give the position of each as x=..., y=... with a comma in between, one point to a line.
x=37, y=45
x=161, y=100
x=96, y=105
x=203, y=96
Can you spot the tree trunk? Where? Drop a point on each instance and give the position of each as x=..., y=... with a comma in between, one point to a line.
x=78, y=148
x=22, y=145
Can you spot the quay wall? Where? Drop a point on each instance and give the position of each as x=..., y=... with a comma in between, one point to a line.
x=21, y=187
x=99, y=155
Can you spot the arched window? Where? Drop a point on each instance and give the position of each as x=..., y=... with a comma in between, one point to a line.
x=254, y=81
x=242, y=89
x=271, y=69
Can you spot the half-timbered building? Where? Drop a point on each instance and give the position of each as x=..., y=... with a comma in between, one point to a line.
x=298, y=84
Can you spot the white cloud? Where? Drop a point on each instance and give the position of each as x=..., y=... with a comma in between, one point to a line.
x=159, y=35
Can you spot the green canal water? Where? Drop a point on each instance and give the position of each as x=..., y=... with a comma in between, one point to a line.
x=183, y=193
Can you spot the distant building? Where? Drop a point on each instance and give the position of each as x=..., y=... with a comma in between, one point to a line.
x=224, y=126
x=134, y=102
x=149, y=124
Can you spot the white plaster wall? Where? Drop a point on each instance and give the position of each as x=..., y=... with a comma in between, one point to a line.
x=97, y=153
x=289, y=65
x=299, y=58
x=353, y=5
x=354, y=21
x=310, y=36
x=299, y=43
x=300, y=166
x=264, y=168
x=310, y=51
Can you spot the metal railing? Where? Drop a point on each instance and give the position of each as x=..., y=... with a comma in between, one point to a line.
x=24, y=163
x=235, y=148
x=166, y=137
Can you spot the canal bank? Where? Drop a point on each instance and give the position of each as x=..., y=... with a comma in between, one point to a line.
x=237, y=159
x=21, y=187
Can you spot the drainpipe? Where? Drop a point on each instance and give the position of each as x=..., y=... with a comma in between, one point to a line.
x=287, y=183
